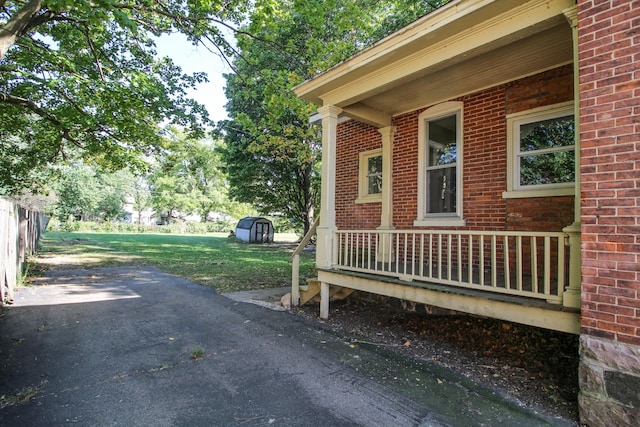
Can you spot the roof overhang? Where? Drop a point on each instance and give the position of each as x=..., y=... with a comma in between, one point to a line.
x=464, y=47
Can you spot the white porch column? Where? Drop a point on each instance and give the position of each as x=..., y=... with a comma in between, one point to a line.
x=572, y=293
x=324, y=247
x=386, y=216
x=385, y=248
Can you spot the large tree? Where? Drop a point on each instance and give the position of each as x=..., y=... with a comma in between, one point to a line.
x=189, y=178
x=272, y=150
x=81, y=77
x=88, y=193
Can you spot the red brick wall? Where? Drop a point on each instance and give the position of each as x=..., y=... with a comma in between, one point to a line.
x=352, y=139
x=485, y=159
x=610, y=167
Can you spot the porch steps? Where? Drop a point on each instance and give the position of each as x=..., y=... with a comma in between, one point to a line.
x=311, y=291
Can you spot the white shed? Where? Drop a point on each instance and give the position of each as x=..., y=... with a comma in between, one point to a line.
x=253, y=229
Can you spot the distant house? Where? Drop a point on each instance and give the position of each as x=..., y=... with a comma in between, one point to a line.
x=485, y=159
x=131, y=215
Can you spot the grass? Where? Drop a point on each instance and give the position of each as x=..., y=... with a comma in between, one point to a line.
x=23, y=396
x=214, y=260
x=197, y=353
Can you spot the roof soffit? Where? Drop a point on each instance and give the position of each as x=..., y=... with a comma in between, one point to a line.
x=456, y=35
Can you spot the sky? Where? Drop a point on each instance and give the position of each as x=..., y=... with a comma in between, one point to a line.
x=194, y=59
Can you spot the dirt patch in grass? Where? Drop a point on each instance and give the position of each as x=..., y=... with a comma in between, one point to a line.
x=537, y=366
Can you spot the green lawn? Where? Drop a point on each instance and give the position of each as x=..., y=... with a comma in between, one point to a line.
x=213, y=260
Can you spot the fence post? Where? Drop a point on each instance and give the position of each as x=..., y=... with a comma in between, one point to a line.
x=20, y=231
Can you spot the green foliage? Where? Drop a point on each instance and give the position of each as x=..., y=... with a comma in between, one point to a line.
x=141, y=195
x=123, y=227
x=544, y=159
x=80, y=78
x=189, y=178
x=87, y=193
x=272, y=152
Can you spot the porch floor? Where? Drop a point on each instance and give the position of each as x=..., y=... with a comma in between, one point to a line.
x=530, y=311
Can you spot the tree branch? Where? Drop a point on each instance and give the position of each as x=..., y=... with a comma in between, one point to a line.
x=32, y=106
x=17, y=24
x=93, y=51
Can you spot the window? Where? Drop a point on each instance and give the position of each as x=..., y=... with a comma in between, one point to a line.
x=370, y=177
x=541, y=152
x=440, y=166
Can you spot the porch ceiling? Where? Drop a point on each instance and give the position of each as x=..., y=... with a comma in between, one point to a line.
x=464, y=47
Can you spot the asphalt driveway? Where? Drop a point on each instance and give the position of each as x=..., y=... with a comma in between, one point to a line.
x=138, y=347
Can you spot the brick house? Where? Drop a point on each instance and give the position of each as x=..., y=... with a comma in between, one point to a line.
x=485, y=159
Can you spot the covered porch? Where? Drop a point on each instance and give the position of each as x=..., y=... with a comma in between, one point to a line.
x=530, y=277
x=515, y=276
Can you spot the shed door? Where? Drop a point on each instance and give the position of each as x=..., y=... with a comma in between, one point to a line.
x=263, y=230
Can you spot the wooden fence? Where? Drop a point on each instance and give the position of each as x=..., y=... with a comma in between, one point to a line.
x=20, y=231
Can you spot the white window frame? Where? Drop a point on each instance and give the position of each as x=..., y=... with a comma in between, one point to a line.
x=514, y=121
x=453, y=219
x=363, y=184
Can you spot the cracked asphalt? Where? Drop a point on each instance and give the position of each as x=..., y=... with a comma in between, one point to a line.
x=135, y=346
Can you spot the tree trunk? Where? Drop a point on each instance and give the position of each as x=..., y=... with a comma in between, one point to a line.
x=308, y=220
x=14, y=28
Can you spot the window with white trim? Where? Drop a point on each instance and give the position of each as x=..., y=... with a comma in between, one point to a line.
x=541, y=152
x=440, y=166
x=370, y=177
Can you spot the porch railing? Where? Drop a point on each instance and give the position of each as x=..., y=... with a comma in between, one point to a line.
x=531, y=264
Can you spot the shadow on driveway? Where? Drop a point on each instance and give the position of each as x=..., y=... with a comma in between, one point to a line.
x=135, y=346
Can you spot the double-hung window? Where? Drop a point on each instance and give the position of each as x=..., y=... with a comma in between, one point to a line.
x=541, y=152
x=440, y=166
x=370, y=177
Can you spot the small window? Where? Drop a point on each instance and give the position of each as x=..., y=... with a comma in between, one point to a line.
x=374, y=175
x=370, y=177
x=541, y=145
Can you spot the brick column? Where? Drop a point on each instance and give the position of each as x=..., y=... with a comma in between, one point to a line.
x=609, y=67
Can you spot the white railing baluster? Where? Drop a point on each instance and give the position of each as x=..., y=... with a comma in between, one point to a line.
x=481, y=260
x=413, y=254
x=404, y=254
x=534, y=265
x=460, y=257
x=519, y=262
x=396, y=253
x=430, y=256
x=439, y=255
x=470, y=260
x=449, y=257
x=397, y=260
x=390, y=251
x=369, y=251
x=561, y=266
x=346, y=249
x=547, y=265
x=507, y=260
x=421, y=257
x=494, y=262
